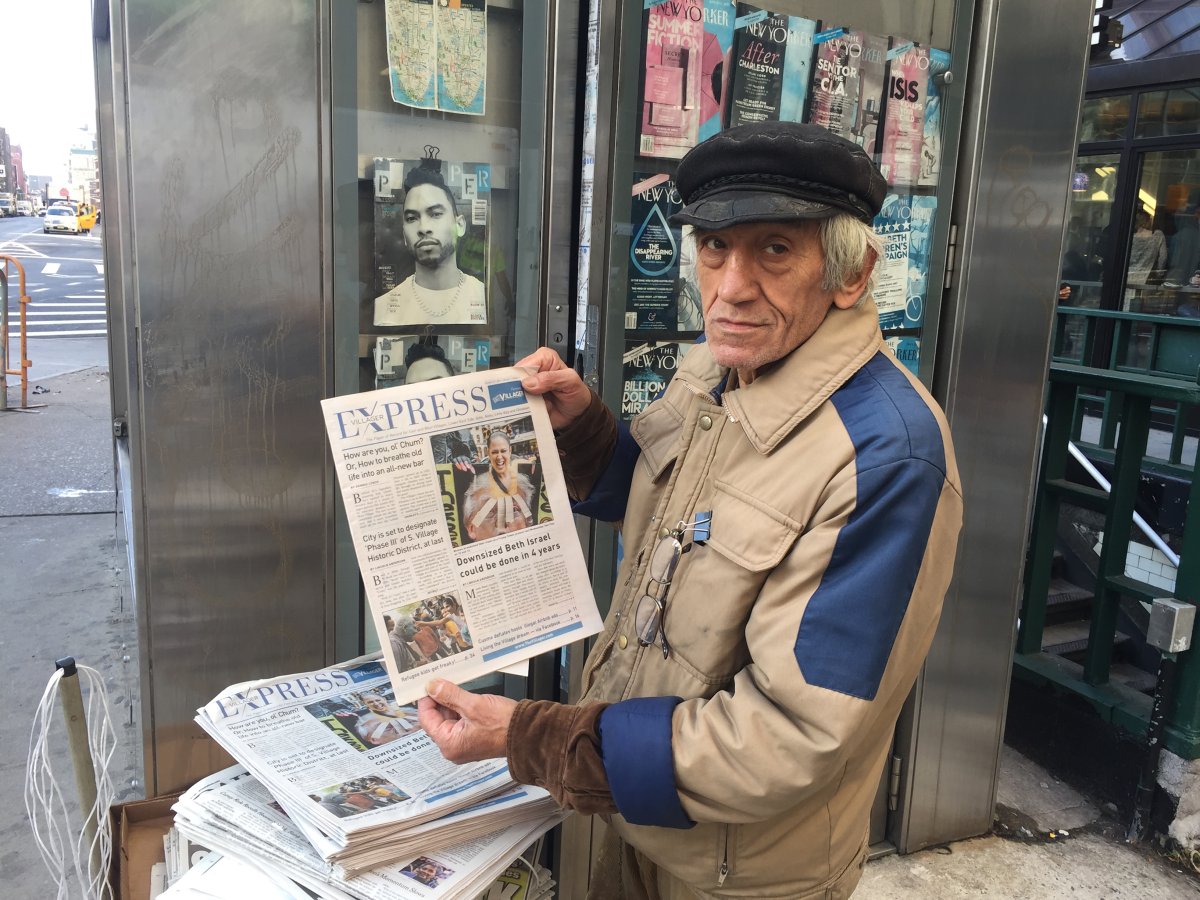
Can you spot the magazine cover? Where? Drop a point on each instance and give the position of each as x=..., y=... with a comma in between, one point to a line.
x=653, y=254
x=931, y=144
x=759, y=41
x=412, y=52
x=797, y=68
x=904, y=114
x=715, y=65
x=671, y=87
x=646, y=369
x=462, y=56
x=891, y=286
x=847, y=88
x=431, y=242
x=907, y=350
x=920, y=239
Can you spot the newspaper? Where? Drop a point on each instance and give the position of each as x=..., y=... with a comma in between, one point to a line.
x=349, y=763
x=462, y=526
x=236, y=816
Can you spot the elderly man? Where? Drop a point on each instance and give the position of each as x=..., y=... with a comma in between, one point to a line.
x=791, y=509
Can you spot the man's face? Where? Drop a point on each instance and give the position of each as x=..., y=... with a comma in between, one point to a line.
x=499, y=452
x=760, y=284
x=430, y=225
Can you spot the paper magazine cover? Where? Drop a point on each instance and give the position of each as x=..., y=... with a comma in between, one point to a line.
x=431, y=242
x=907, y=350
x=931, y=144
x=797, y=68
x=654, y=252
x=646, y=370
x=715, y=65
x=891, y=286
x=461, y=524
x=920, y=237
x=904, y=114
x=847, y=87
x=671, y=94
x=759, y=43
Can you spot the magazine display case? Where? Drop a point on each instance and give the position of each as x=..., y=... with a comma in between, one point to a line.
x=443, y=137
x=872, y=73
x=303, y=197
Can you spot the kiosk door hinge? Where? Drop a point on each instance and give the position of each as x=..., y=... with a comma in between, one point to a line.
x=951, y=253
x=895, y=767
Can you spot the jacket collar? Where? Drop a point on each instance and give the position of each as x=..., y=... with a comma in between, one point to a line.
x=787, y=392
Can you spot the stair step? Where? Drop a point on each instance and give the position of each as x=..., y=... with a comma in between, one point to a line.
x=1071, y=637
x=1131, y=676
x=1062, y=591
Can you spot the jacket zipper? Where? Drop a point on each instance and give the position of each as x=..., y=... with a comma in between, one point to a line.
x=723, y=869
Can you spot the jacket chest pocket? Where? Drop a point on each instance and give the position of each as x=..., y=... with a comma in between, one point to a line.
x=717, y=583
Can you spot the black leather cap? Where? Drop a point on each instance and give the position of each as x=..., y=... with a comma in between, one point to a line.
x=776, y=172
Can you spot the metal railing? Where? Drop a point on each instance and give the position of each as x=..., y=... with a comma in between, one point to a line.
x=1131, y=398
x=1141, y=344
x=23, y=303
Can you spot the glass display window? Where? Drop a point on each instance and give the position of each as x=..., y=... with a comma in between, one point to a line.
x=1104, y=119
x=876, y=77
x=1090, y=239
x=438, y=171
x=1162, y=273
x=1170, y=112
x=441, y=136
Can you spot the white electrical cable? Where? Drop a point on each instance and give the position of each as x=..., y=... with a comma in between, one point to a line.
x=46, y=805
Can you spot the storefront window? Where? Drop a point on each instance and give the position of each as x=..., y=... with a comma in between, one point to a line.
x=1162, y=113
x=1089, y=232
x=1104, y=119
x=1163, y=272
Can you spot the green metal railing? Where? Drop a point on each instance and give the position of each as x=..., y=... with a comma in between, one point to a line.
x=1141, y=344
x=1131, y=398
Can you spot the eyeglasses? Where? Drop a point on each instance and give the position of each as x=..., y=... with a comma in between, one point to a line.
x=650, y=615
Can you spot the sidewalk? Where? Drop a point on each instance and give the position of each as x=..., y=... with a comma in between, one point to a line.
x=62, y=591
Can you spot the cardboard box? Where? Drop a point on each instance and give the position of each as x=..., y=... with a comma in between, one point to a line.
x=138, y=828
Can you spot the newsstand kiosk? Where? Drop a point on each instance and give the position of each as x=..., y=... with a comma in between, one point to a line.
x=254, y=158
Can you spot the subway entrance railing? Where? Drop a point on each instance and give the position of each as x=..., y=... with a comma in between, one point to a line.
x=1130, y=418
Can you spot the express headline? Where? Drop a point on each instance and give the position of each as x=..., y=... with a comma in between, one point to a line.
x=386, y=416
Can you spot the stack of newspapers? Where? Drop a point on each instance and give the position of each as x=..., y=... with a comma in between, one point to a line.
x=341, y=791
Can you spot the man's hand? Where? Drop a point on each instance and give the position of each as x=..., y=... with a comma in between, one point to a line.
x=466, y=727
x=566, y=396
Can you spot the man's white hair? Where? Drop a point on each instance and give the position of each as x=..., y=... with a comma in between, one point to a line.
x=848, y=245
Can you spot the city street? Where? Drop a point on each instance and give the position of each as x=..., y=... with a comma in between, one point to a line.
x=64, y=280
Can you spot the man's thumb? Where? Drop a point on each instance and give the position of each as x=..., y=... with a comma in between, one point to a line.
x=449, y=695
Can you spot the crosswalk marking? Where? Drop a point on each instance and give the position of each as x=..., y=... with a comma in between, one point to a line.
x=99, y=268
x=44, y=304
x=84, y=296
x=50, y=268
x=91, y=331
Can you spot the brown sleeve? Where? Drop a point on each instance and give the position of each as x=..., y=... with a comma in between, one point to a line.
x=586, y=446
x=557, y=747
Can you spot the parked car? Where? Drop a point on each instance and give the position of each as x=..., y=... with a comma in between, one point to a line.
x=60, y=218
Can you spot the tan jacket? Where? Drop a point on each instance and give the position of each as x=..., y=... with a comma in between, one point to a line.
x=796, y=630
